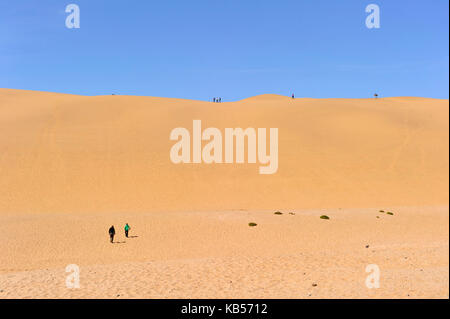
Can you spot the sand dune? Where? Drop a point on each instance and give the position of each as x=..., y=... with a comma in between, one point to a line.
x=70, y=166
x=65, y=153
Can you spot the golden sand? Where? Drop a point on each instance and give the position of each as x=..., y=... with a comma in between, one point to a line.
x=71, y=166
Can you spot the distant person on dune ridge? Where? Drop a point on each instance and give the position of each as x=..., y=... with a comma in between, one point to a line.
x=112, y=232
x=293, y=96
x=127, y=228
x=214, y=100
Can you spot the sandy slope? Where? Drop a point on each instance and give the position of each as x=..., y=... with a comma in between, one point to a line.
x=71, y=166
x=217, y=255
x=65, y=153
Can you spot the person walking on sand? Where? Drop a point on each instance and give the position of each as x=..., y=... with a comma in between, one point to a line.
x=293, y=96
x=127, y=228
x=112, y=232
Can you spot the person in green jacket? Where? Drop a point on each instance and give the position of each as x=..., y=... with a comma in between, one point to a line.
x=127, y=228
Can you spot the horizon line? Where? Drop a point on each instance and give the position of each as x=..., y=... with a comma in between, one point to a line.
x=249, y=97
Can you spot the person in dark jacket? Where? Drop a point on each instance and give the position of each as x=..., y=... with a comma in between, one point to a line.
x=112, y=232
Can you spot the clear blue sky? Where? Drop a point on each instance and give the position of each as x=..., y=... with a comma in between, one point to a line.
x=199, y=49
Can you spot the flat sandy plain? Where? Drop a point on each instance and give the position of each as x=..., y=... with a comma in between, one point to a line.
x=72, y=166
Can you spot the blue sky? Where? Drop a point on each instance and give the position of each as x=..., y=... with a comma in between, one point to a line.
x=233, y=49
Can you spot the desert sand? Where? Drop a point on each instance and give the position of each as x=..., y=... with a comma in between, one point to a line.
x=72, y=166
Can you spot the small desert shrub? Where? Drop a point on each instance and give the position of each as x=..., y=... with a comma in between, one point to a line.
x=381, y=211
x=278, y=213
x=389, y=213
x=252, y=224
x=291, y=213
x=324, y=217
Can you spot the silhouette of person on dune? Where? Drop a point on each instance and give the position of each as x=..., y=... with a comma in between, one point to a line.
x=112, y=232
